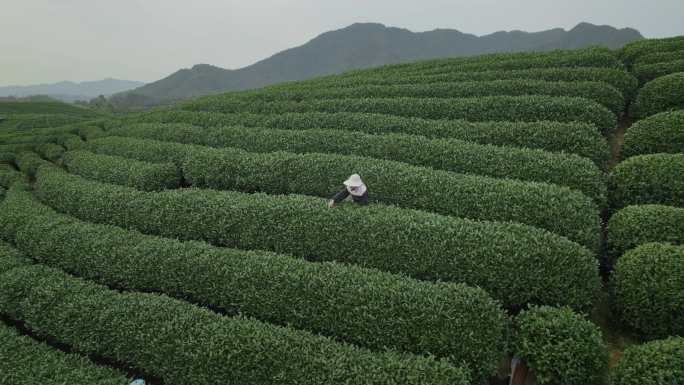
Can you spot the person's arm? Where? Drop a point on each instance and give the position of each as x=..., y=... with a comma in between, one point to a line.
x=339, y=197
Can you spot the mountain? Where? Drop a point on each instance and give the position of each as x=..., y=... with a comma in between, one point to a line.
x=360, y=46
x=70, y=91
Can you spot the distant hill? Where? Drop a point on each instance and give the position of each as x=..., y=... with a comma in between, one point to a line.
x=361, y=46
x=71, y=91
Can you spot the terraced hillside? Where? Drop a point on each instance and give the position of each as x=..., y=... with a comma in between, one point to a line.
x=195, y=245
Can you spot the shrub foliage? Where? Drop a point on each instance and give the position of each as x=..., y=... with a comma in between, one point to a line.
x=503, y=258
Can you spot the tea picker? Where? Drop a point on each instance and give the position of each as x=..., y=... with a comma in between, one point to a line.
x=353, y=187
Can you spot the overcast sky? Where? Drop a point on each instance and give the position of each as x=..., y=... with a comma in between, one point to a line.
x=53, y=40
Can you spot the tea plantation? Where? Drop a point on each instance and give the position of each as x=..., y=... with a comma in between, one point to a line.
x=526, y=205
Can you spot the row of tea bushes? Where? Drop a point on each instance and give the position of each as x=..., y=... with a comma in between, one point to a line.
x=361, y=306
x=124, y=171
x=28, y=162
x=647, y=72
x=660, y=57
x=502, y=258
x=443, y=154
x=25, y=361
x=9, y=175
x=635, y=225
x=647, y=284
x=560, y=346
x=586, y=57
x=29, y=122
x=618, y=78
x=660, y=133
x=653, y=363
x=45, y=108
x=50, y=151
x=470, y=196
x=662, y=94
x=490, y=108
x=601, y=93
x=634, y=51
x=170, y=339
x=648, y=179
x=577, y=138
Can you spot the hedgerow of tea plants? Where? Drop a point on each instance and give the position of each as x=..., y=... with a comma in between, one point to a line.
x=9, y=175
x=35, y=139
x=618, y=78
x=648, y=285
x=45, y=107
x=50, y=151
x=15, y=148
x=653, y=363
x=461, y=195
x=490, y=108
x=635, y=225
x=560, y=346
x=577, y=138
x=635, y=50
x=28, y=162
x=662, y=94
x=362, y=306
x=141, y=149
x=128, y=172
x=660, y=57
x=647, y=72
x=651, y=178
x=587, y=57
x=502, y=258
x=170, y=339
x=7, y=157
x=660, y=133
x=25, y=361
x=601, y=93
x=29, y=121
x=90, y=132
x=442, y=154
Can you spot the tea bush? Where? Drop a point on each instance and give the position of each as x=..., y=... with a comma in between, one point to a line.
x=647, y=72
x=124, y=171
x=25, y=361
x=560, y=346
x=653, y=363
x=171, y=339
x=635, y=225
x=362, y=306
x=662, y=94
x=635, y=50
x=586, y=57
x=50, y=151
x=648, y=285
x=502, y=258
x=618, y=78
x=488, y=108
x=9, y=175
x=577, y=138
x=442, y=154
x=660, y=133
x=28, y=162
x=601, y=93
x=651, y=178
x=447, y=193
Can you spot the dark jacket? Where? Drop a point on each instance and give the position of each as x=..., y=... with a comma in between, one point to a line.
x=343, y=194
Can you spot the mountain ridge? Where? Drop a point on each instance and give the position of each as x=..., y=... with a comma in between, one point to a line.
x=363, y=45
x=70, y=91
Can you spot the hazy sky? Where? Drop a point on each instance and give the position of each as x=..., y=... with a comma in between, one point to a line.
x=53, y=40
